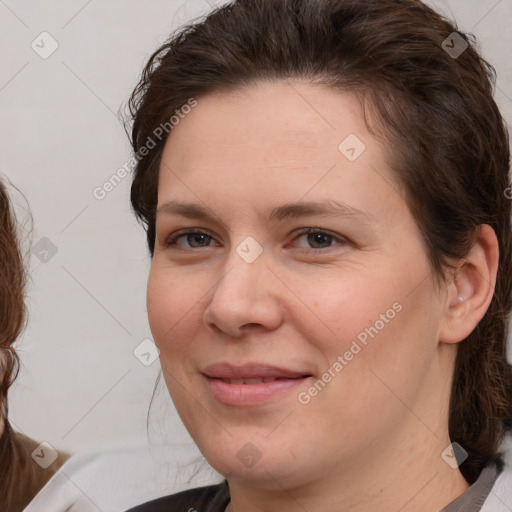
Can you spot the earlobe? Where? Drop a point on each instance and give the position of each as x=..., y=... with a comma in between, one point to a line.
x=472, y=289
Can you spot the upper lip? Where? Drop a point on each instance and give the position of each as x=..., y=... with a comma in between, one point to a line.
x=250, y=371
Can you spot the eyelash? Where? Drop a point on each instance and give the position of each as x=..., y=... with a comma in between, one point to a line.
x=306, y=231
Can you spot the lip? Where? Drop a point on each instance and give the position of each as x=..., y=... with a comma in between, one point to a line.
x=267, y=382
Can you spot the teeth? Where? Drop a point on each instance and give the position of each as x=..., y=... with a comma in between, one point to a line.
x=253, y=380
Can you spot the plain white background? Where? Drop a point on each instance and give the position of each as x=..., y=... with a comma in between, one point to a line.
x=80, y=386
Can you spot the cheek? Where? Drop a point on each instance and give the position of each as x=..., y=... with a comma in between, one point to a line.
x=386, y=339
x=338, y=306
x=172, y=305
x=371, y=317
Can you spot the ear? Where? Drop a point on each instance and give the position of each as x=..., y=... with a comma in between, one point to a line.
x=472, y=289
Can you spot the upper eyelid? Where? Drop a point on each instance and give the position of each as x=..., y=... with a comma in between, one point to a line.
x=298, y=233
x=189, y=231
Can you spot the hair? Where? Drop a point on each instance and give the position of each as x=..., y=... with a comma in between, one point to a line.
x=12, y=319
x=446, y=142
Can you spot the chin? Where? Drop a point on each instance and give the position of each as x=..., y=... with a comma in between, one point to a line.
x=270, y=467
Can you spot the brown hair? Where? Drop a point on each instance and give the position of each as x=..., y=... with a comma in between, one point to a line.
x=12, y=319
x=448, y=144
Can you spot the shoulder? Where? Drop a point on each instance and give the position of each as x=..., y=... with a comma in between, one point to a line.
x=117, y=480
x=28, y=478
x=212, y=498
x=500, y=497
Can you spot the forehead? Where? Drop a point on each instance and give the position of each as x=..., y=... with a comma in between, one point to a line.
x=276, y=120
x=286, y=140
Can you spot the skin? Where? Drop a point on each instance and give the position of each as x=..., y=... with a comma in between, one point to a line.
x=372, y=438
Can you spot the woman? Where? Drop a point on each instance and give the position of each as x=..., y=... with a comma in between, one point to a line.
x=322, y=186
x=21, y=477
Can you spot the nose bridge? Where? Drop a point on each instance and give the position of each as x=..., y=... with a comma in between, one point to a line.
x=249, y=250
x=244, y=265
x=241, y=296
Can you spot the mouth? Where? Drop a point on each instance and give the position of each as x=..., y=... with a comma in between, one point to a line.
x=256, y=380
x=251, y=384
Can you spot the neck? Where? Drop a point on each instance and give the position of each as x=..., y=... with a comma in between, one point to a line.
x=408, y=475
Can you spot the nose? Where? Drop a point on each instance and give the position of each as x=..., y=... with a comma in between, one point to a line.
x=244, y=298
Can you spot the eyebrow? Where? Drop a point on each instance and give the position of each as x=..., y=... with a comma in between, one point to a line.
x=329, y=208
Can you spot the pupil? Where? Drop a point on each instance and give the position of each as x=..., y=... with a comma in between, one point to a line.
x=319, y=238
x=198, y=238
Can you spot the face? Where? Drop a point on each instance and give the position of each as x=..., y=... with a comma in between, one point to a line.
x=293, y=303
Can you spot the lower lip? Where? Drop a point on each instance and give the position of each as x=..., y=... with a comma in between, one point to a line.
x=251, y=394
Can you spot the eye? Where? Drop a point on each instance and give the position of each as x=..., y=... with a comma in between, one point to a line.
x=194, y=238
x=316, y=239
x=319, y=239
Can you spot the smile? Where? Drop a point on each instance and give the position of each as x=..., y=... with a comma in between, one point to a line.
x=251, y=384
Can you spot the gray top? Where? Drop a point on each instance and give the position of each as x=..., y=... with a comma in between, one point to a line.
x=474, y=497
